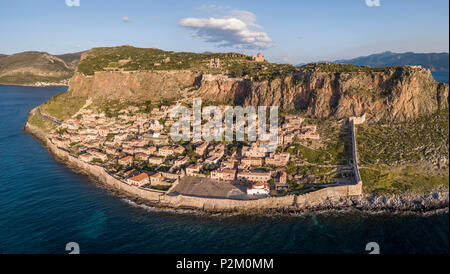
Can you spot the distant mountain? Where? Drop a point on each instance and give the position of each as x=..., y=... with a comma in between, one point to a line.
x=71, y=59
x=433, y=61
x=31, y=67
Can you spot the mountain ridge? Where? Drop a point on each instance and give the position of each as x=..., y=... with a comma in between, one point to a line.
x=35, y=67
x=433, y=61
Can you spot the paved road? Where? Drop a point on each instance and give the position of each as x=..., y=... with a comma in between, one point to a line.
x=51, y=119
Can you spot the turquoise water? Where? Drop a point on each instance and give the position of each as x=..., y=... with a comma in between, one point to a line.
x=44, y=205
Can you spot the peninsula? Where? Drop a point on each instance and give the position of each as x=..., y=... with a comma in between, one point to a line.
x=349, y=136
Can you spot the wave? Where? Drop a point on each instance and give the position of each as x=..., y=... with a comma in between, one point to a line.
x=161, y=209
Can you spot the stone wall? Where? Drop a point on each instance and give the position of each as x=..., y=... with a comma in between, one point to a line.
x=308, y=200
x=97, y=171
x=355, y=154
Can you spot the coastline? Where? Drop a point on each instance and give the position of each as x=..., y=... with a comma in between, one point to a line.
x=423, y=204
x=36, y=85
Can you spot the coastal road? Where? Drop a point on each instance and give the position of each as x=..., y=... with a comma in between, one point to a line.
x=51, y=119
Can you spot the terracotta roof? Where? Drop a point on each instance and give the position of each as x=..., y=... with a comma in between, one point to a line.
x=139, y=177
x=230, y=171
x=126, y=158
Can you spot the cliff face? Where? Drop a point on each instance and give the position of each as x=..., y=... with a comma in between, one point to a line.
x=391, y=94
x=394, y=94
x=143, y=85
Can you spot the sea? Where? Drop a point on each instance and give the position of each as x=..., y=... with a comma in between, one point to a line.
x=44, y=205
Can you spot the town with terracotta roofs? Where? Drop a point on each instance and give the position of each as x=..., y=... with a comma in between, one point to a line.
x=137, y=149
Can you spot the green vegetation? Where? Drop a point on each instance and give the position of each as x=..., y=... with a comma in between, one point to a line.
x=42, y=123
x=331, y=155
x=310, y=155
x=260, y=71
x=110, y=137
x=345, y=68
x=299, y=189
x=190, y=152
x=372, y=94
x=407, y=142
x=388, y=182
x=306, y=170
x=63, y=105
x=97, y=160
x=31, y=67
x=163, y=188
x=129, y=58
x=387, y=151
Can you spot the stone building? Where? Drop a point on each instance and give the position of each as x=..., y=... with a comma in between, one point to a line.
x=224, y=174
x=214, y=63
x=258, y=188
x=139, y=180
x=125, y=161
x=254, y=176
x=258, y=57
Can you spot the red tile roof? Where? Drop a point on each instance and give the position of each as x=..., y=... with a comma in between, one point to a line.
x=139, y=177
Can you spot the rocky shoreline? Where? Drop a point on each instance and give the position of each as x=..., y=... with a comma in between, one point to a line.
x=435, y=202
x=39, y=84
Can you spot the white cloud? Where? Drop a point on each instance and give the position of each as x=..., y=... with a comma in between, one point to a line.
x=125, y=19
x=231, y=31
x=247, y=17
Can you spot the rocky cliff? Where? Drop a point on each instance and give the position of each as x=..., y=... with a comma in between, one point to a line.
x=395, y=93
x=140, y=85
x=400, y=93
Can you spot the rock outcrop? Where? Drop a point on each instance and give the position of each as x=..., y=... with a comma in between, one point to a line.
x=394, y=94
x=142, y=85
x=397, y=93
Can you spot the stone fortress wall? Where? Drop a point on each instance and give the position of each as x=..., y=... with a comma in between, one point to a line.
x=356, y=121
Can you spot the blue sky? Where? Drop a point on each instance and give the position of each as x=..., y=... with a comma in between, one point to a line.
x=284, y=31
